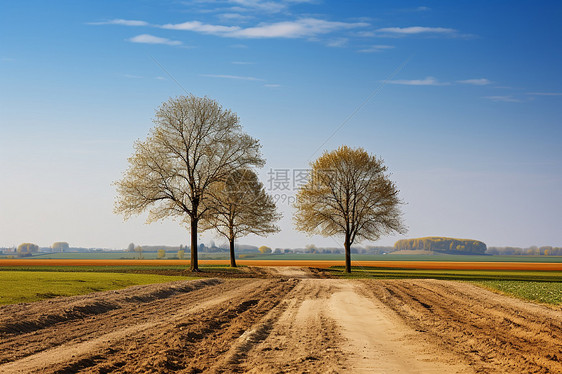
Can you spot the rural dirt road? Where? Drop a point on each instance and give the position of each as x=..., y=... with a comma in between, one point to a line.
x=289, y=321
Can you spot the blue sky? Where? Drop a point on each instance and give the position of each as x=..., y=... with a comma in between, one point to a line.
x=461, y=99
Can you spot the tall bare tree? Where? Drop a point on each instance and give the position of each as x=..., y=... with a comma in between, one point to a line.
x=348, y=195
x=194, y=144
x=241, y=206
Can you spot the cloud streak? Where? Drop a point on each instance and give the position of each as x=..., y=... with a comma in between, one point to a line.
x=544, y=93
x=122, y=22
x=301, y=28
x=504, y=99
x=376, y=48
x=151, y=39
x=234, y=77
x=476, y=81
x=428, y=81
x=264, y=6
x=415, y=30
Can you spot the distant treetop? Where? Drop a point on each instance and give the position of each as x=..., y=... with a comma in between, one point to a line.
x=442, y=244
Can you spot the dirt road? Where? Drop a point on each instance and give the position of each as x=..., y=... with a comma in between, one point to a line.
x=288, y=323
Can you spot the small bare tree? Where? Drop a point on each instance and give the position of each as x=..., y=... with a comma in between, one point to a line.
x=240, y=206
x=348, y=195
x=194, y=144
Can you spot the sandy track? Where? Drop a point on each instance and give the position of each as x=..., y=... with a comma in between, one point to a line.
x=157, y=335
x=495, y=333
x=293, y=323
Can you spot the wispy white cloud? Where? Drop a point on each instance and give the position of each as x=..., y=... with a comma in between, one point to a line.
x=151, y=39
x=475, y=81
x=160, y=78
x=376, y=48
x=305, y=27
x=7, y=59
x=505, y=99
x=414, y=30
x=201, y=27
x=545, y=93
x=234, y=17
x=239, y=46
x=132, y=76
x=123, y=22
x=271, y=85
x=235, y=77
x=264, y=6
x=338, y=42
x=428, y=81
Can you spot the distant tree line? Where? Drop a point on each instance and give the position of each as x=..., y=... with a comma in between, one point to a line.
x=441, y=244
x=60, y=247
x=530, y=251
x=26, y=249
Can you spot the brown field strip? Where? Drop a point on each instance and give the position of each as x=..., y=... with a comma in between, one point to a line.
x=422, y=265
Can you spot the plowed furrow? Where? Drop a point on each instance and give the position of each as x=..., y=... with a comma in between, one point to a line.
x=495, y=332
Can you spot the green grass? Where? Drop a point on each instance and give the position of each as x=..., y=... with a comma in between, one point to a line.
x=107, y=255
x=28, y=286
x=473, y=275
x=138, y=269
x=119, y=255
x=115, y=255
x=542, y=292
x=537, y=286
x=391, y=257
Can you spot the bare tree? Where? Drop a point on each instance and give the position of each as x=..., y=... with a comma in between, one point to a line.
x=240, y=206
x=194, y=144
x=348, y=195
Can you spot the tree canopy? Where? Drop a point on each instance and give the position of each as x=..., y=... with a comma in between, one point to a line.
x=442, y=244
x=240, y=206
x=60, y=246
x=194, y=144
x=348, y=195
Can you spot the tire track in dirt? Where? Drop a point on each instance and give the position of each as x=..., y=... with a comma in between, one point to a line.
x=378, y=340
x=495, y=333
x=289, y=321
x=329, y=326
x=143, y=342
x=294, y=337
x=16, y=344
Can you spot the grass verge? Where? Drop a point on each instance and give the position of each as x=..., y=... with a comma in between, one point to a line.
x=537, y=286
x=542, y=292
x=28, y=286
x=470, y=275
x=136, y=269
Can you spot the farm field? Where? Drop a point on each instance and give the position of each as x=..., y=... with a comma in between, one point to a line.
x=118, y=255
x=403, y=264
x=287, y=319
x=29, y=286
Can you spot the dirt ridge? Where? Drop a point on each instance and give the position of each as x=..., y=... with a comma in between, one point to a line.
x=79, y=307
x=494, y=332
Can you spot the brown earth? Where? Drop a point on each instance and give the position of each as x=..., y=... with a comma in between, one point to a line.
x=289, y=321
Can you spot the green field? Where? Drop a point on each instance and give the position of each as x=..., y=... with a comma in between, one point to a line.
x=139, y=269
x=119, y=255
x=475, y=275
x=391, y=257
x=116, y=255
x=28, y=286
x=542, y=292
x=537, y=286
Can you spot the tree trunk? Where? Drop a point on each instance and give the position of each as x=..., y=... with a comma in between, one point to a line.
x=347, y=246
x=194, y=264
x=232, y=256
